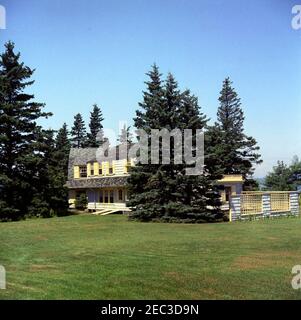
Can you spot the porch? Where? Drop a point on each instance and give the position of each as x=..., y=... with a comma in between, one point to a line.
x=103, y=199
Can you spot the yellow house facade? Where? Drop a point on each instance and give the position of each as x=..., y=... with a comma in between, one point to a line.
x=103, y=180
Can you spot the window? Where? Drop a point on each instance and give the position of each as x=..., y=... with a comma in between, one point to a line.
x=106, y=196
x=83, y=171
x=110, y=170
x=111, y=196
x=101, y=196
x=117, y=153
x=100, y=171
x=92, y=172
x=120, y=195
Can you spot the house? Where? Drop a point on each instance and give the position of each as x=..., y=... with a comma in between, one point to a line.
x=103, y=179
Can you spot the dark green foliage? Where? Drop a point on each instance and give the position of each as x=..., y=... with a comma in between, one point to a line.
x=233, y=151
x=33, y=165
x=78, y=132
x=163, y=191
x=283, y=177
x=81, y=202
x=295, y=168
x=95, y=137
x=19, y=137
x=59, y=171
x=148, y=117
x=62, y=142
x=251, y=185
x=62, y=149
x=50, y=197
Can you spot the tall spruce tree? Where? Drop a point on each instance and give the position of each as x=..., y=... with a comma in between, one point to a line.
x=144, y=191
x=234, y=151
x=163, y=191
x=95, y=137
x=125, y=140
x=58, y=172
x=125, y=135
x=78, y=132
x=147, y=117
x=19, y=132
x=42, y=182
x=200, y=193
x=62, y=148
x=49, y=194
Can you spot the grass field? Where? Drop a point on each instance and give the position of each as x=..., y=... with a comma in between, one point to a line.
x=108, y=257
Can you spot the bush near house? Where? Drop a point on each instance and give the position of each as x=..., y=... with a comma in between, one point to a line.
x=81, y=202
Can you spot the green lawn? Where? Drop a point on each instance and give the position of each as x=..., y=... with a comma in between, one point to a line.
x=108, y=257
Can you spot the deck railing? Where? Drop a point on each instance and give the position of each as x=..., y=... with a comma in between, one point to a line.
x=264, y=204
x=251, y=203
x=280, y=201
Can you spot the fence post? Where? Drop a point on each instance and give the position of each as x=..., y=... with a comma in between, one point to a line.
x=235, y=207
x=294, y=203
x=2, y=278
x=266, y=204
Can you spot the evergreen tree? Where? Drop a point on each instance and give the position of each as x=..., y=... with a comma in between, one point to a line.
x=95, y=137
x=62, y=148
x=163, y=191
x=50, y=196
x=234, y=151
x=152, y=101
x=42, y=182
x=143, y=188
x=295, y=169
x=19, y=157
x=200, y=193
x=62, y=141
x=78, y=132
x=125, y=140
x=58, y=171
x=279, y=179
x=126, y=136
x=295, y=165
x=284, y=177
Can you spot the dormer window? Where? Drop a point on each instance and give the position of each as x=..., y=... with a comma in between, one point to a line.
x=100, y=172
x=83, y=171
x=110, y=170
x=92, y=172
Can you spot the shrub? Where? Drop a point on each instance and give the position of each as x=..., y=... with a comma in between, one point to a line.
x=81, y=202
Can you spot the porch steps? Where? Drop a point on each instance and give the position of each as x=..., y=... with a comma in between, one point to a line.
x=104, y=212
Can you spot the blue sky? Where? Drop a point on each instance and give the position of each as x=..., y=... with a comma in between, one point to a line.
x=98, y=51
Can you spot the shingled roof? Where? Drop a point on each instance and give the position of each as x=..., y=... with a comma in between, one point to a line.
x=82, y=156
x=97, y=182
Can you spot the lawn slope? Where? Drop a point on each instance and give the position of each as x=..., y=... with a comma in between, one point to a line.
x=108, y=257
